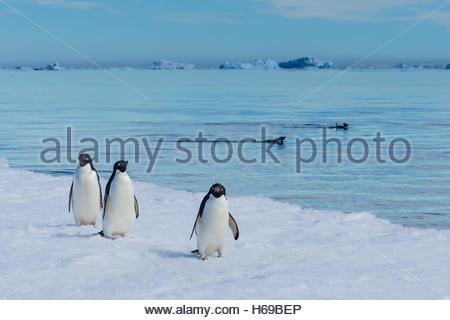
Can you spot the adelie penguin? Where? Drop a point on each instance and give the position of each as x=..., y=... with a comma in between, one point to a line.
x=121, y=207
x=279, y=141
x=213, y=220
x=85, y=197
x=342, y=126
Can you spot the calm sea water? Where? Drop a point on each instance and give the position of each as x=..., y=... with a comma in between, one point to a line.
x=237, y=104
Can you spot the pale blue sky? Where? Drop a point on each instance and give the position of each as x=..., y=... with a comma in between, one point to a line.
x=206, y=32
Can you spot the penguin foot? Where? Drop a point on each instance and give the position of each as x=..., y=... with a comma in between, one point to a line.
x=106, y=236
x=202, y=256
x=123, y=235
x=94, y=225
x=220, y=255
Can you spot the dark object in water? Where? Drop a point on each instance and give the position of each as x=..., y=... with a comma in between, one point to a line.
x=279, y=141
x=342, y=126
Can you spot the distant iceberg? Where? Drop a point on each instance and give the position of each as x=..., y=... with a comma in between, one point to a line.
x=51, y=67
x=306, y=63
x=120, y=68
x=258, y=64
x=406, y=66
x=447, y=67
x=238, y=65
x=169, y=65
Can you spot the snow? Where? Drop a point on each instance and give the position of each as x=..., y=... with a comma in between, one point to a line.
x=255, y=64
x=306, y=63
x=169, y=65
x=284, y=251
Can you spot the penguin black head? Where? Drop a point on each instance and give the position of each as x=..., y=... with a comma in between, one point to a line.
x=217, y=190
x=121, y=165
x=84, y=159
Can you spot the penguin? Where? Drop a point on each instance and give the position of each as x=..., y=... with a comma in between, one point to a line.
x=85, y=196
x=212, y=222
x=121, y=206
x=343, y=126
x=279, y=141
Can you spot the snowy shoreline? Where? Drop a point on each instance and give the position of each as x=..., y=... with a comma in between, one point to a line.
x=285, y=252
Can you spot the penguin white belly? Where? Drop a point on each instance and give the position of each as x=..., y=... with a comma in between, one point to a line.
x=85, y=196
x=120, y=215
x=212, y=227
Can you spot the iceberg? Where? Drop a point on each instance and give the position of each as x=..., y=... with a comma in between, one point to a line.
x=230, y=65
x=447, y=67
x=120, y=68
x=50, y=67
x=306, y=63
x=264, y=64
x=257, y=64
x=169, y=65
x=406, y=66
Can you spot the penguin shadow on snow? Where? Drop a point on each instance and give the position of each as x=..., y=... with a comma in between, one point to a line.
x=102, y=236
x=77, y=235
x=61, y=225
x=172, y=254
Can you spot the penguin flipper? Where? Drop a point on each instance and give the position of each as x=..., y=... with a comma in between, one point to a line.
x=233, y=225
x=200, y=213
x=70, y=195
x=193, y=229
x=105, y=209
x=136, y=207
x=108, y=186
x=99, y=188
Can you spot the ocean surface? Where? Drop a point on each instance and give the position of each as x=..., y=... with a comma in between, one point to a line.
x=239, y=104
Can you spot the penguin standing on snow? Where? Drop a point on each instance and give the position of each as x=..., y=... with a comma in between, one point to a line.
x=121, y=206
x=212, y=222
x=85, y=197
